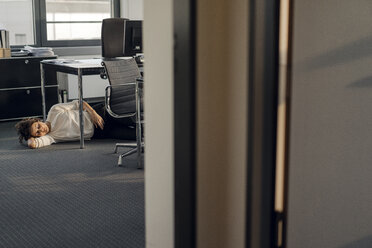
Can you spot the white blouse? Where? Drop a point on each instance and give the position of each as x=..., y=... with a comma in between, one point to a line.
x=64, y=120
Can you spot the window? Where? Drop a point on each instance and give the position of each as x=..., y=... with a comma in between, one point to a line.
x=56, y=22
x=74, y=22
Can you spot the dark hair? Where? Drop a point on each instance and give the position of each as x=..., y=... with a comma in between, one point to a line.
x=24, y=128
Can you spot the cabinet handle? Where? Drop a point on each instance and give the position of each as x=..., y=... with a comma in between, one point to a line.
x=28, y=92
x=26, y=61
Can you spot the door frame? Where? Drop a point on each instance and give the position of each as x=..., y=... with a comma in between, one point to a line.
x=262, y=122
x=185, y=122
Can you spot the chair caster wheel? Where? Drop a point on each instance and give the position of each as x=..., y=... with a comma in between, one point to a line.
x=120, y=161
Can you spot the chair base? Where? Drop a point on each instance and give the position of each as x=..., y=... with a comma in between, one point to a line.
x=130, y=152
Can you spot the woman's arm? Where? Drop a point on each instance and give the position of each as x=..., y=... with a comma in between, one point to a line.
x=34, y=143
x=96, y=118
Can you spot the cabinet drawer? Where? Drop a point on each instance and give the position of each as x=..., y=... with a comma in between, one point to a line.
x=23, y=72
x=20, y=103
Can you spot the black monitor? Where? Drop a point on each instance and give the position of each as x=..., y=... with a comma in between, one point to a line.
x=133, y=38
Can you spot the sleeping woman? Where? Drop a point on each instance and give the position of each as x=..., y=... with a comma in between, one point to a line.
x=62, y=125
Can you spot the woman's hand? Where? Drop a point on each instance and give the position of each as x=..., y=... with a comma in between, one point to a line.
x=97, y=120
x=31, y=143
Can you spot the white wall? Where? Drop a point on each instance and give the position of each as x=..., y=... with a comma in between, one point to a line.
x=93, y=86
x=16, y=17
x=159, y=161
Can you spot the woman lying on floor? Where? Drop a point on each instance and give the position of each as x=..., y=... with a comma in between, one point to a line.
x=62, y=125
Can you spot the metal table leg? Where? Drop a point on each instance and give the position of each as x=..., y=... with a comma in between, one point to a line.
x=81, y=117
x=42, y=74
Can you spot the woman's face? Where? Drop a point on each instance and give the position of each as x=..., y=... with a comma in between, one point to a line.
x=39, y=129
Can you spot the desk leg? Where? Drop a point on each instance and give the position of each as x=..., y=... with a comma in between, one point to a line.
x=81, y=116
x=42, y=75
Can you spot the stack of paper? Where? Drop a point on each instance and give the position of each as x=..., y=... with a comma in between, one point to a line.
x=40, y=51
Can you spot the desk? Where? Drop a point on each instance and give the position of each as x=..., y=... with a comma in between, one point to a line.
x=75, y=67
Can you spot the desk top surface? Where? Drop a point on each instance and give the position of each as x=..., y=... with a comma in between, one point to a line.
x=73, y=63
x=72, y=66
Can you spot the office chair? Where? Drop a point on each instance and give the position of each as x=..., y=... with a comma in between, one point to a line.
x=112, y=37
x=123, y=99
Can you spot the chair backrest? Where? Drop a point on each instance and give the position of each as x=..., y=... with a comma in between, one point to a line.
x=121, y=71
x=112, y=37
x=122, y=75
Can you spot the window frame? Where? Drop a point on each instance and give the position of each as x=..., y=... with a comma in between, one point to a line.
x=115, y=12
x=40, y=28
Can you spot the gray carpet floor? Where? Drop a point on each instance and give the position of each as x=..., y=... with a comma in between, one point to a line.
x=63, y=196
